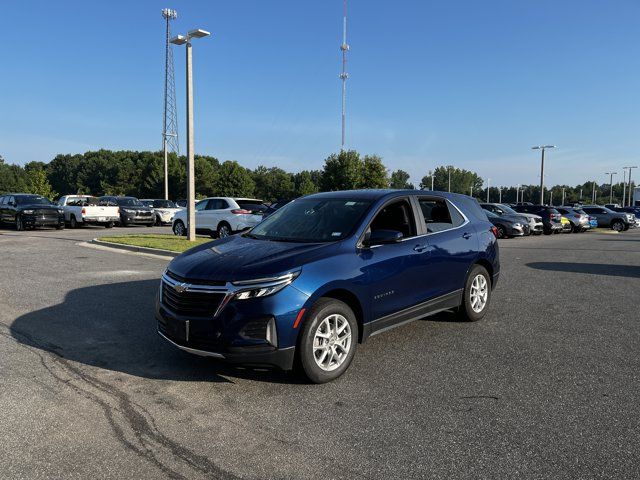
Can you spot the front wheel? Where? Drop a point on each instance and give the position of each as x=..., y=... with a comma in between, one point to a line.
x=476, y=295
x=327, y=341
x=617, y=225
x=19, y=223
x=179, y=229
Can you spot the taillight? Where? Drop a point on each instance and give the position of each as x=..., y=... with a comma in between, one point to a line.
x=241, y=211
x=577, y=215
x=494, y=230
x=84, y=211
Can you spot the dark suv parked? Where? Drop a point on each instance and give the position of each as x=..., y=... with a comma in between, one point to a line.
x=132, y=211
x=551, y=218
x=325, y=272
x=24, y=211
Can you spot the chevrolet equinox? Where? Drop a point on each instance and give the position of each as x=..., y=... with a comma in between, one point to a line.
x=325, y=272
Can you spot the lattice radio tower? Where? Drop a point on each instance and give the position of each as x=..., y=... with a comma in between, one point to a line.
x=170, y=117
x=344, y=75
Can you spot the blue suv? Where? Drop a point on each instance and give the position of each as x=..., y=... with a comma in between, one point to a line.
x=324, y=273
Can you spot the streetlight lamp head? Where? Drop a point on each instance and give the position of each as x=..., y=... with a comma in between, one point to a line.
x=198, y=33
x=178, y=40
x=542, y=147
x=169, y=13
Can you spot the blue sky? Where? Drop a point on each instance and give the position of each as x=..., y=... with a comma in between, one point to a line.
x=468, y=83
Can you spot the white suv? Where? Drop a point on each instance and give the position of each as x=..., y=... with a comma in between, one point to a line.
x=221, y=216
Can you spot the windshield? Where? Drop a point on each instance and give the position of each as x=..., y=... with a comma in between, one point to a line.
x=163, y=204
x=128, y=202
x=508, y=209
x=32, y=200
x=313, y=220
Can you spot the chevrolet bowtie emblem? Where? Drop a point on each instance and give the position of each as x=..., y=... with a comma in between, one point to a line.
x=181, y=287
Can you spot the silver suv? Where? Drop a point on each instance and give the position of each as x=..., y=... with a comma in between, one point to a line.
x=618, y=221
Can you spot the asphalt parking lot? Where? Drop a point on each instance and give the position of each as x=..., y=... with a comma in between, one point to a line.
x=546, y=386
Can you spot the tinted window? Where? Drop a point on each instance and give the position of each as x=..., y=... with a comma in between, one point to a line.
x=252, y=206
x=396, y=216
x=2, y=199
x=313, y=220
x=32, y=200
x=107, y=202
x=215, y=204
x=147, y=203
x=438, y=215
x=201, y=205
x=128, y=202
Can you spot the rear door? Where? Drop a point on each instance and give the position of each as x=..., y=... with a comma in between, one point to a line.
x=452, y=245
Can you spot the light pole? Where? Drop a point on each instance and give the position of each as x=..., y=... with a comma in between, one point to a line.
x=629, y=201
x=551, y=197
x=471, y=194
x=449, y=169
x=543, y=148
x=488, y=187
x=611, y=174
x=499, y=194
x=593, y=195
x=191, y=190
x=562, y=196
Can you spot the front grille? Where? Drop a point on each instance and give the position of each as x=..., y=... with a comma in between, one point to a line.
x=43, y=213
x=178, y=278
x=191, y=304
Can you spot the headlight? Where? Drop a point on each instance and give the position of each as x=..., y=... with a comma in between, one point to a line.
x=127, y=210
x=60, y=212
x=517, y=225
x=27, y=212
x=263, y=287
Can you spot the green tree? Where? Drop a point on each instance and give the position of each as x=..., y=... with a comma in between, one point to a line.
x=400, y=179
x=304, y=184
x=342, y=171
x=234, y=180
x=38, y=184
x=461, y=180
x=374, y=173
x=273, y=183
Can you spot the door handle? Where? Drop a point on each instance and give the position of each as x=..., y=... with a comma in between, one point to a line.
x=420, y=248
x=466, y=236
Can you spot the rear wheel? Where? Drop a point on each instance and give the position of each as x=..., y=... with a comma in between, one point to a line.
x=476, y=296
x=502, y=233
x=327, y=342
x=224, y=230
x=108, y=225
x=73, y=223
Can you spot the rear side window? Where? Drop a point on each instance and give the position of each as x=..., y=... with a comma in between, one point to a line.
x=439, y=215
x=217, y=204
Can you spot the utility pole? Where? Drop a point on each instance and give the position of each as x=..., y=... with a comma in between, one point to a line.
x=543, y=148
x=344, y=75
x=191, y=184
x=611, y=174
x=170, y=117
x=629, y=201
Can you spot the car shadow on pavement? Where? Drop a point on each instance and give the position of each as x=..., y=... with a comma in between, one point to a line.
x=630, y=271
x=112, y=326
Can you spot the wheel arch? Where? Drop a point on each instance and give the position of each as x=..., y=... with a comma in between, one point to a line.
x=352, y=301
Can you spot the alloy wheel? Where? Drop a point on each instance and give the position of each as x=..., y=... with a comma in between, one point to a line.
x=479, y=293
x=332, y=342
x=178, y=229
x=223, y=231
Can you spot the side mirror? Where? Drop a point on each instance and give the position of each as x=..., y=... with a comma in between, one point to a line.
x=382, y=237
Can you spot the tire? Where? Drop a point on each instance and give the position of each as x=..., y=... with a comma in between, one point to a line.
x=60, y=227
x=108, y=225
x=312, y=361
x=158, y=221
x=479, y=281
x=73, y=223
x=179, y=229
x=617, y=225
x=123, y=223
x=151, y=224
x=224, y=230
x=502, y=232
x=548, y=231
x=19, y=223
x=627, y=227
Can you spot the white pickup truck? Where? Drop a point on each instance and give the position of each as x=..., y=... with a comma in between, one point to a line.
x=86, y=210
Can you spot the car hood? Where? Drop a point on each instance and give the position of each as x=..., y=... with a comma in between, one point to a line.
x=514, y=218
x=38, y=206
x=241, y=258
x=141, y=208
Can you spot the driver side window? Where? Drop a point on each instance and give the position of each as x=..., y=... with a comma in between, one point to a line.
x=397, y=216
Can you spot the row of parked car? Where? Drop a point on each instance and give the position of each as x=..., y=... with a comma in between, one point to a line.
x=523, y=219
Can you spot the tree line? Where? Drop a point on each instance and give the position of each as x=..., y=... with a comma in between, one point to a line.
x=141, y=174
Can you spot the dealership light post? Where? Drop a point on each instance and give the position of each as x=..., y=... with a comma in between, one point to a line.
x=562, y=196
x=629, y=194
x=449, y=169
x=611, y=174
x=543, y=148
x=488, y=188
x=593, y=195
x=191, y=191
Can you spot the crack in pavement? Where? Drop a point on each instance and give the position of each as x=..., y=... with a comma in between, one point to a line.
x=132, y=424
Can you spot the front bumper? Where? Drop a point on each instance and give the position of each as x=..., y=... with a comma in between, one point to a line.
x=42, y=221
x=131, y=218
x=229, y=332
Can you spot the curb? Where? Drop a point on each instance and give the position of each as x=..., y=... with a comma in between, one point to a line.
x=132, y=248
